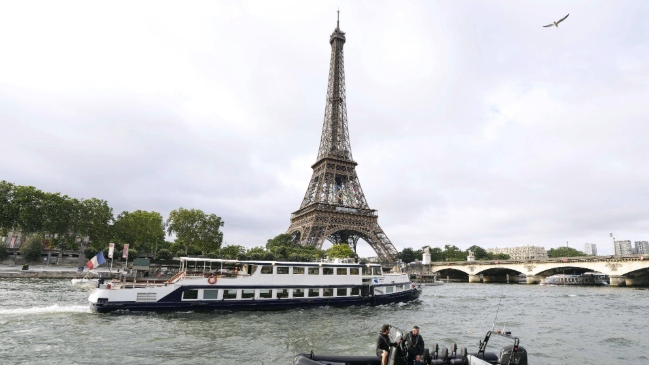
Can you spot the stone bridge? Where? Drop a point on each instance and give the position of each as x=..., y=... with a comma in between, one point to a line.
x=630, y=270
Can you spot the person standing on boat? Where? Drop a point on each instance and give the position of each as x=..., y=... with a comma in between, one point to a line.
x=415, y=345
x=383, y=344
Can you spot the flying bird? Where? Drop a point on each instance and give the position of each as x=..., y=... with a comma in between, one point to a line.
x=556, y=24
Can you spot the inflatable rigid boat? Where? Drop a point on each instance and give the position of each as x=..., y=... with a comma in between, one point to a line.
x=435, y=355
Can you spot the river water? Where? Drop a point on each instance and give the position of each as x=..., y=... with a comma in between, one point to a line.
x=48, y=322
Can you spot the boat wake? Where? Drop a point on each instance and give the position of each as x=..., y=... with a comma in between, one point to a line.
x=46, y=310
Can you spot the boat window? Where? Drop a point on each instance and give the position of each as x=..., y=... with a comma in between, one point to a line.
x=389, y=289
x=367, y=270
x=314, y=271
x=265, y=293
x=327, y=271
x=266, y=269
x=282, y=269
x=354, y=271
x=341, y=292
x=341, y=271
x=247, y=293
x=328, y=292
x=281, y=293
x=397, y=288
x=298, y=271
x=253, y=268
x=356, y=291
x=190, y=294
x=314, y=292
x=210, y=294
x=230, y=294
x=405, y=286
x=298, y=293
x=376, y=270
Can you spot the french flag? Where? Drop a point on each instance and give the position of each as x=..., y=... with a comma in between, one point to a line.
x=96, y=261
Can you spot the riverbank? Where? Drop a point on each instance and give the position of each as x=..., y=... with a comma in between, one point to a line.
x=49, y=272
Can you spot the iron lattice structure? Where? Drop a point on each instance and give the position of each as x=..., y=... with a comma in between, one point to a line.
x=334, y=207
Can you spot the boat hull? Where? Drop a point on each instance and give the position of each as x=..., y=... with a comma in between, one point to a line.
x=255, y=305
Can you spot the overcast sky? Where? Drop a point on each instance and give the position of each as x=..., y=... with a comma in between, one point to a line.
x=470, y=122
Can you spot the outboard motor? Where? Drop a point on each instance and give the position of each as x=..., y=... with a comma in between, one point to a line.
x=437, y=358
x=507, y=355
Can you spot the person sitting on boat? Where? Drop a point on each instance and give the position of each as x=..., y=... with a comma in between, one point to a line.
x=383, y=344
x=415, y=345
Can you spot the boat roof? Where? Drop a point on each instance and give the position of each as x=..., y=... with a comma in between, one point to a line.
x=292, y=263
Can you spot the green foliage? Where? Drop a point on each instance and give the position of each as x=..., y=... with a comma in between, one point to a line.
x=565, y=252
x=196, y=229
x=232, y=252
x=407, y=255
x=32, y=249
x=90, y=253
x=164, y=254
x=453, y=253
x=341, y=251
x=480, y=253
x=132, y=254
x=28, y=203
x=8, y=212
x=142, y=230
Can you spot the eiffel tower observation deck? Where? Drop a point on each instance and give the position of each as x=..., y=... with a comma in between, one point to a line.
x=334, y=207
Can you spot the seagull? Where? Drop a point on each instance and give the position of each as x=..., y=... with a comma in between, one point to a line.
x=556, y=24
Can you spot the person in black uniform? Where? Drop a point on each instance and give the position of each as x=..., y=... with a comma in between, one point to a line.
x=415, y=345
x=383, y=344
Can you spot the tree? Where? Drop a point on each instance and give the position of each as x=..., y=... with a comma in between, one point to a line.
x=407, y=255
x=96, y=217
x=565, y=252
x=479, y=253
x=195, y=228
x=453, y=253
x=142, y=230
x=232, y=252
x=8, y=211
x=28, y=203
x=32, y=249
x=342, y=251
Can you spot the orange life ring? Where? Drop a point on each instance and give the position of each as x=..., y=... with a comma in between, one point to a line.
x=211, y=279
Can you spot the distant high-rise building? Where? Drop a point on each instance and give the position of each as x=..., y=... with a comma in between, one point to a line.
x=521, y=252
x=590, y=249
x=641, y=247
x=623, y=247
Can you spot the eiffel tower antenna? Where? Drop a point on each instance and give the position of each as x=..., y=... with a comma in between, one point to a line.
x=338, y=20
x=334, y=207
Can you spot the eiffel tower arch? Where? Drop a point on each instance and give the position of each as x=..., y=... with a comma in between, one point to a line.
x=334, y=207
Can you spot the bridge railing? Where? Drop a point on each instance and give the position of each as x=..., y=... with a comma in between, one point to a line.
x=548, y=260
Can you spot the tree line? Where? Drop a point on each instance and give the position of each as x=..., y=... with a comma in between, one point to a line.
x=55, y=221
x=63, y=222
x=449, y=253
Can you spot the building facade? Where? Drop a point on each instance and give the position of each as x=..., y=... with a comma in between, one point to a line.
x=590, y=249
x=623, y=247
x=521, y=252
x=641, y=247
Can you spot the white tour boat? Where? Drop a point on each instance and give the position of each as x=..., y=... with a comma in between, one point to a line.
x=588, y=278
x=215, y=284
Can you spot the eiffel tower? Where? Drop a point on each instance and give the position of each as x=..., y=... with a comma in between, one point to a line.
x=334, y=206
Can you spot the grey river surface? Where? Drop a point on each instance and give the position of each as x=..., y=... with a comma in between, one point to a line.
x=48, y=322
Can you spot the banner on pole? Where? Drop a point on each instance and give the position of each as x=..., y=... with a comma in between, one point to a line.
x=125, y=253
x=13, y=240
x=111, y=249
